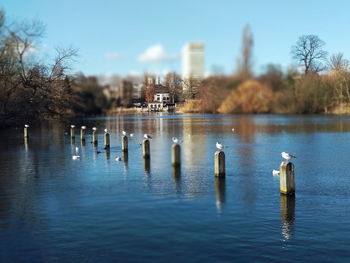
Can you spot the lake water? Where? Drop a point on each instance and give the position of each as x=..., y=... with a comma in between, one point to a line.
x=55, y=209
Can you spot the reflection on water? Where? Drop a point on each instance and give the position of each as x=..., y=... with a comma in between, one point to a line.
x=176, y=174
x=108, y=154
x=147, y=165
x=287, y=207
x=220, y=193
x=125, y=157
x=96, y=209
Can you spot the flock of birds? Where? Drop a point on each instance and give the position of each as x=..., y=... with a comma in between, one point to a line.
x=218, y=145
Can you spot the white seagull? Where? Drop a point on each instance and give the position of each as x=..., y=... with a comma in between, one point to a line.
x=147, y=136
x=72, y=126
x=118, y=159
x=219, y=146
x=233, y=129
x=94, y=128
x=131, y=135
x=26, y=125
x=106, y=130
x=275, y=172
x=287, y=156
x=175, y=140
x=83, y=127
x=124, y=133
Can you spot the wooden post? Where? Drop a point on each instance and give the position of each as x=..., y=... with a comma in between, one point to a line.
x=94, y=137
x=107, y=141
x=176, y=155
x=26, y=143
x=25, y=132
x=219, y=160
x=287, y=185
x=72, y=131
x=125, y=143
x=146, y=149
x=125, y=156
x=82, y=133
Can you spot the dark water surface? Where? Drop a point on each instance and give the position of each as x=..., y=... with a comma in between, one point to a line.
x=55, y=209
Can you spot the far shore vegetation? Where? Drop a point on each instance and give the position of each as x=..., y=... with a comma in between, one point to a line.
x=34, y=89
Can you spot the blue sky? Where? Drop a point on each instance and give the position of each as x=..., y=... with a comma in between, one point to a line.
x=113, y=36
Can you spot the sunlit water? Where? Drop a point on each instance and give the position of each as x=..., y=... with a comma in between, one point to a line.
x=55, y=209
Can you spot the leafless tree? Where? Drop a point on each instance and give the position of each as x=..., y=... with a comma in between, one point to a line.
x=31, y=90
x=308, y=52
x=245, y=61
x=191, y=88
x=174, y=83
x=338, y=62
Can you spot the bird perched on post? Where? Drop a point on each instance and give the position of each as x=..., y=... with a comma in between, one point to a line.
x=124, y=133
x=106, y=130
x=147, y=136
x=94, y=128
x=83, y=127
x=26, y=125
x=175, y=140
x=287, y=156
x=219, y=146
x=72, y=126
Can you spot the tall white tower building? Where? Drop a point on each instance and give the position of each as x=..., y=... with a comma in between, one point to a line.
x=193, y=60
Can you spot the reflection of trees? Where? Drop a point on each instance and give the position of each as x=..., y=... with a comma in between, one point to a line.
x=246, y=128
x=287, y=207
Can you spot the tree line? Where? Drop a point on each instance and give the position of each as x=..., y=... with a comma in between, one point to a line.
x=319, y=83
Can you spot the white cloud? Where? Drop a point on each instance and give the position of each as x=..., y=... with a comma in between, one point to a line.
x=113, y=56
x=156, y=53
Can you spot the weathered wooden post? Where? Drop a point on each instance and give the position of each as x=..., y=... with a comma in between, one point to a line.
x=125, y=143
x=287, y=185
x=72, y=131
x=26, y=143
x=82, y=133
x=219, y=163
x=94, y=136
x=146, y=149
x=176, y=154
x=25, y=134
x=107, y=140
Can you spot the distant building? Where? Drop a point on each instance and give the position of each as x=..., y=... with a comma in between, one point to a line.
x=161, y=94
x=193, y=60
x=161, y=101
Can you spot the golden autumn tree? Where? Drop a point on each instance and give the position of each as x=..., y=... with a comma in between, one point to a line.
x=249, y=97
